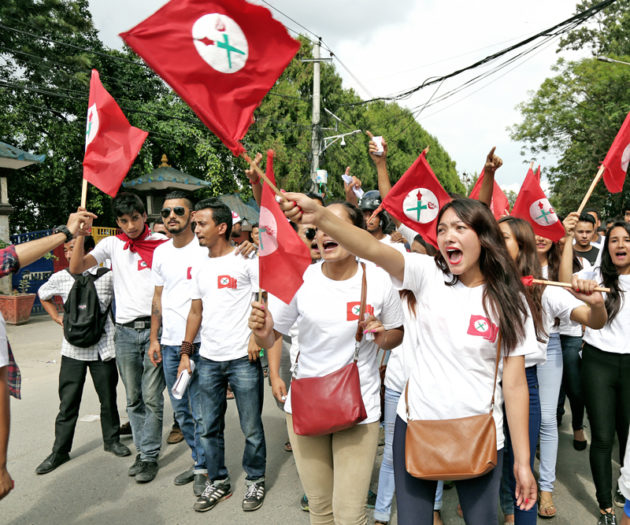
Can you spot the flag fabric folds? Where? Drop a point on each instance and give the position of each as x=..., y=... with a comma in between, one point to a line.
x=617, y=159
x=220, y=56
x=533, y=206
x=283, y=257
x=499, y=204
x=111, y=143
x=416, y=199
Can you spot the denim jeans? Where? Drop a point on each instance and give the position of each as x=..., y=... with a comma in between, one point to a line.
x=508, y=482
x=549, y=380
x=144, y=384
x=246, y=380
x=187, y=410
x=571, y=380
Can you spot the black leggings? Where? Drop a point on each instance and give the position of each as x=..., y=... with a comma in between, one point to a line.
x=479, y=497
x=606, y=390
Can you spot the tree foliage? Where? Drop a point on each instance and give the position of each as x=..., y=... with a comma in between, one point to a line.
x=576, y=114
x=47, y=50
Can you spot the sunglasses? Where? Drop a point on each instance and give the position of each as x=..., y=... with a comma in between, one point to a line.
x=310, y=233
x=179, y=211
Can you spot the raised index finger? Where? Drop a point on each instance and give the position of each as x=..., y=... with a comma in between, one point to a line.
x=491, y=154
x=369, y=134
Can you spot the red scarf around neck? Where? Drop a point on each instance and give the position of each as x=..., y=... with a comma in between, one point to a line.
x=140, y=245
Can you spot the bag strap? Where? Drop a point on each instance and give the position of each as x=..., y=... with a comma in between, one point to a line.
x=385, y=352
x=494, y=383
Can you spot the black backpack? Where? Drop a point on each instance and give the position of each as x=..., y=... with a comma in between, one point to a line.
x=83, y=321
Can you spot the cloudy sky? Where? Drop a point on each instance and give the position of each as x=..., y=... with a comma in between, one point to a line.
x=392, y=46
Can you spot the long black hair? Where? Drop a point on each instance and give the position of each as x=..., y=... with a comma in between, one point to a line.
x=610, y=274
x=502, y=282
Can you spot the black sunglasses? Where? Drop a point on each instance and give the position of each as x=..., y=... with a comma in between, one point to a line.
x=179, y=211
x=310, y=233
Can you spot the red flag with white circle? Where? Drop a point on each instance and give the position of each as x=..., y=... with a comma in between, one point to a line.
x=618, y=158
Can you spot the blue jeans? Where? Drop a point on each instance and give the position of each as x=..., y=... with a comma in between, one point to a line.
x=508, y=482
x=383, y=507
x=187, y=410
x=571, y=380
x=246, y=380
x=144, y=384
x=549, y=380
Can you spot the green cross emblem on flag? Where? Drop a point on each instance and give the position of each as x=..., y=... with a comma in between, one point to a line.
x=481, y=326
x=419, y=206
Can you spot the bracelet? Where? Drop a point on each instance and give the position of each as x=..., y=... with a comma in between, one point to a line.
x=186, y=349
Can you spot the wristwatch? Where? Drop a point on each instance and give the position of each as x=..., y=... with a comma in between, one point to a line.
x=64, y=229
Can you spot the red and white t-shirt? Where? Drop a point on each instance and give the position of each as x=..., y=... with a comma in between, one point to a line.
x=453, y=372
x=327, y=313
x=226, y=285
x=174, y=269
x=133, y=287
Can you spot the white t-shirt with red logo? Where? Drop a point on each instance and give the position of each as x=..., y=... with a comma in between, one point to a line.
x=402, y=358
x=174, y=269
x=133, y=287
x=457, y=348
x=327, y=313
x=226, y=285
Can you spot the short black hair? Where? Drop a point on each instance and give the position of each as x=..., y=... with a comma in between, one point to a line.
x=355, y=214
x=255, y=225
x=586, y=217
x=317, y=197
x=220, y=213
x=593, y=210
x=88, y=243
x=179, y=194
x=126, y=203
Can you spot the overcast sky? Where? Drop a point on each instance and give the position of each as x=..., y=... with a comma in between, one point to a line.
x=395, y=45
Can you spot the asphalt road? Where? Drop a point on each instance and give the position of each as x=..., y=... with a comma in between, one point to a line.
x=93, y=487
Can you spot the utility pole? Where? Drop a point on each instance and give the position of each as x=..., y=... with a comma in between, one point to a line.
x=316, y=112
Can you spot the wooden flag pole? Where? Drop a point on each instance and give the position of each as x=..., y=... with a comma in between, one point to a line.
x=563, y=285
x=84, y=189
x=531, y=165
x=600, y=172
x=264, y=177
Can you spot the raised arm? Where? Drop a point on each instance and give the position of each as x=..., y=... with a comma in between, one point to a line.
x=565, y=272
x=80, y=261
x=361, y=243
x=254, y=179
x=493, y=163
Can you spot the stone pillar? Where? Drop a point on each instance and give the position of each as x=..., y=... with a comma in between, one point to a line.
x=5, y=211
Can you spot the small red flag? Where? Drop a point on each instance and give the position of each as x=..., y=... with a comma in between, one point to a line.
x=220, y=56
x=283, y=257
x=533, y=206
x=482, y=326
x=111, y=144
x=416, y=199
x=617, y=159
x=500, y=205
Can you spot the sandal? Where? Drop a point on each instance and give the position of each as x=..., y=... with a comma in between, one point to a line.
x=288, y=447
x=546, y=508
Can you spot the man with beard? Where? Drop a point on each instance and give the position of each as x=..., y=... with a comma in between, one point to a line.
x=174, y=264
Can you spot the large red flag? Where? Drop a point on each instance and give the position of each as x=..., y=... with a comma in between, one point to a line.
x=111, y=144
x=500, y=205
x=617, y=159
x=283, y=257
x=416, y=199
x=533, y=206
x=220, y=56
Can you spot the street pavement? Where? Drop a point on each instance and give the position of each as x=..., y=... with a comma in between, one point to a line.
x=93, y=487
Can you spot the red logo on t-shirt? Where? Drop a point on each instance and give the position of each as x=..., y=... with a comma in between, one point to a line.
x=225, y=281
x=353, y=309
x=189, y=273
x=142, y=265
x=482, y=326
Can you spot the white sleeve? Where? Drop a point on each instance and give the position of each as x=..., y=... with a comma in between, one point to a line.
x=391, y=314
x=560, y=303
x=529, y=345
x=195, y=292
x=252, y=270
x=103, y=250
x=4, y=344
x=284, y=315
x=156, y=269
x=417, y=267
x=407, y=232
x=50, y=288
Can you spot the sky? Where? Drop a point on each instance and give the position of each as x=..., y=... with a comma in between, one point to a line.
x=392, y=46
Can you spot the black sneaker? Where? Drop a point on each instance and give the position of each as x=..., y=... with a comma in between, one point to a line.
x=148, y=472
x=607, y=519
x=254, y=496
x=619, y=499
x=136, y=467
x=212, y=494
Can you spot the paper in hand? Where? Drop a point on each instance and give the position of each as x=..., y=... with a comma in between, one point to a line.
x=357, y=191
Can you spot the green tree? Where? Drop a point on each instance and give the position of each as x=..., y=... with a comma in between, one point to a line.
x=576, y=114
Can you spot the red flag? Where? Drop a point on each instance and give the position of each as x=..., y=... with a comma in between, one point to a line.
x=283, y=257
x=220, y=56
x=416, y=199
x=533, y=206
x=482, y=326
x=617, y=159
x=499, y=204
x=111, y=144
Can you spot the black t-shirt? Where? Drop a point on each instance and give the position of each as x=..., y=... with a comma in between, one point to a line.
x=590, y=255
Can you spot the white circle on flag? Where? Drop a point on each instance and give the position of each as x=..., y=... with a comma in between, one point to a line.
x=543, y=213
x=267, y=232
x=356, y=309
x=91, y=127
x=481, y=325
x=421, y=205
x=220, y=42
x=625, y=159
x=225, y=280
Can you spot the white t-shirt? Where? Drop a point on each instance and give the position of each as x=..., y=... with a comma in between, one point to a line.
x=613, y=337
x=557, y=303
x=4, y=343
x=174, y=269
x=133, y=288
x=226, y=286
x=566, y=326
x=457, y=348
x=326, y=312
x=403, y=358
x=408, y=233
x=396, y=245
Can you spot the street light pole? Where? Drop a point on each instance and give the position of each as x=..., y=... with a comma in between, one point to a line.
x=612, y=61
